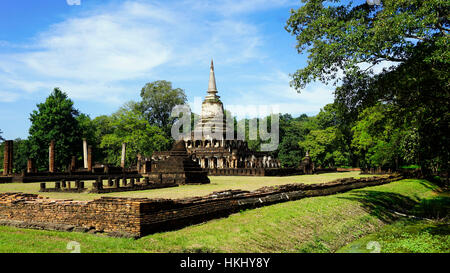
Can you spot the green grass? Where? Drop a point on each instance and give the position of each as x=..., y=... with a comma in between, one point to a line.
x=218, y=183
x=318, y=224
x=426, y=229
x=405, y=236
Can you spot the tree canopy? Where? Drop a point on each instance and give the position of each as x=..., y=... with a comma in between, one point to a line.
x=128, y=125
x=411, y=39
x=158, y=100
x=340, y=38
x=55, y=119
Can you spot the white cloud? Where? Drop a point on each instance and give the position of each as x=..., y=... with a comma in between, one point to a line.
x=274, y=90
x=112, y=46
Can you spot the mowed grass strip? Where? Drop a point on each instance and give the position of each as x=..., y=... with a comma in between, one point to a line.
x=318, y=224
x=218, y=183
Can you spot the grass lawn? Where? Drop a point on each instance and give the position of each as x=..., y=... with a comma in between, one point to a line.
x=218, y=183
x=318, y=224
x=405, y=236
x=428, y=231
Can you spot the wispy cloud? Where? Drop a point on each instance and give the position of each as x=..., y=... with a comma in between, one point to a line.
x=88, y=54
x=274, y=89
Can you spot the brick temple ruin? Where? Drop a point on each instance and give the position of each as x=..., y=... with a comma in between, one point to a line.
x=203, y=154
x=219, y=155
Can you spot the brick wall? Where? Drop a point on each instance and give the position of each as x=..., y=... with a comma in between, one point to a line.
x=140, y=216
x=116, y=216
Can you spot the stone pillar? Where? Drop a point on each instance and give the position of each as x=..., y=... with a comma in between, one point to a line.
x=116, y=182
x=42, y=188
x=73, y=164
x=124, y=152
x=8, y=157
x=85, y=153
x=11, y=156
x=89, y=158
x=51, y=157
x=110, y=182
x=99, y=183
x=30, y=165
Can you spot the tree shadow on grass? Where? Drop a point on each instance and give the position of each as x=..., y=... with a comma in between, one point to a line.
x=383, y=205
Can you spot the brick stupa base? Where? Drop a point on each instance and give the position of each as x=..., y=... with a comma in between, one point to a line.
x=178, y=168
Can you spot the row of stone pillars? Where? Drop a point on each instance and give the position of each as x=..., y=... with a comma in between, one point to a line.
x=115, y=182
x=31, y=167
x=87, y=155
x=79, y=185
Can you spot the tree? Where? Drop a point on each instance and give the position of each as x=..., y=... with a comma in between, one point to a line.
x=158, y=100
x=341, y=37
x=292, y=131
x=376, y=139
x=55, y=119
x=21, y=154
x=89, y=131
x=1, y=138
x=326, y=140
x=345, y=41
x=129, y=126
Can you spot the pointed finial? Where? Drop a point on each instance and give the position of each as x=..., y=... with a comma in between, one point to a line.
x=212, y=81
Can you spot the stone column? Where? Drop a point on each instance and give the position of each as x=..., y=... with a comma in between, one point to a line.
x=51, y=157
x=11, y=156
x=73, y=163
x=30, y=165
x=110, y=182
x=6, y=158
x=85, y=153
x=124, y=150
x=89, y=158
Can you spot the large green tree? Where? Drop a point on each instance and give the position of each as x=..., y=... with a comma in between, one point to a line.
x=292, y=131
x=55, y=119
x=340, y=36
x=326, y=140
x=344, y=40
x=158, y=100
x=128, y=125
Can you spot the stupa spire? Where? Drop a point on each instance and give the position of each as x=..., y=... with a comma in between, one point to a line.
x=212, y=89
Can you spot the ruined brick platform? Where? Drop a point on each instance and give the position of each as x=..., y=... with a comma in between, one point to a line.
x=136, y=217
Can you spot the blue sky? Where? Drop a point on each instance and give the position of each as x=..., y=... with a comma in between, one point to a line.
x=103, y=52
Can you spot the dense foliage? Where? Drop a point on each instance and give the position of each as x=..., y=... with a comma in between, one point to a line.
x=403, y=110
x=55, y=119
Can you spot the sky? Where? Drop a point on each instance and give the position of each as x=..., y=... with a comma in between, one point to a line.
x=102, y=52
